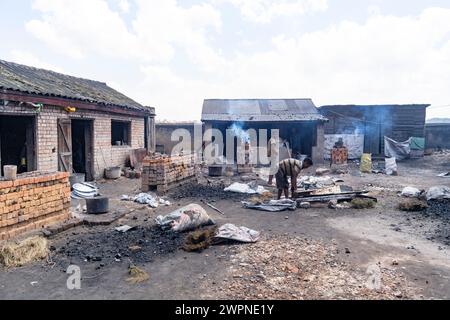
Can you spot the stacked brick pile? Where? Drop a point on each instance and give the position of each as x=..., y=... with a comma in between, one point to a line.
x=33, y=201
x=161, y=172
x=244, y=164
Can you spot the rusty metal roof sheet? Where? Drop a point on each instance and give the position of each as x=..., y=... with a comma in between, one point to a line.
x=32, y=80
x=260, y=110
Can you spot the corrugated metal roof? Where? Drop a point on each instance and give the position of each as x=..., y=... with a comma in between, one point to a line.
x=260, y=110
x=374, y=106
x=32, y=80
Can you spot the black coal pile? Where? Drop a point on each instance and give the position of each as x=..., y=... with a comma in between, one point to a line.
x=103, y=247
x=439, y=208
x=205, y=192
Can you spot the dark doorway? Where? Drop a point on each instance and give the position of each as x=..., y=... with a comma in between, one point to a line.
x=17, y=143
x=82, y=151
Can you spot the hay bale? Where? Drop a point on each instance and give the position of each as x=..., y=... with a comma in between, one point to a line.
x=199, y=240
x=412, y=205
x=19, y=254
x=361, y=203
x=137, y=275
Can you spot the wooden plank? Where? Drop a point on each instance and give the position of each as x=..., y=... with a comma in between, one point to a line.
x=65, y=145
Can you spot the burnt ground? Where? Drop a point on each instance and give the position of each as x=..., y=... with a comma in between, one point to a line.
x=318, y=253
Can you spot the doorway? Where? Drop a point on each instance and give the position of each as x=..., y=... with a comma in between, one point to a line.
x=17, y=143
x=82, y=148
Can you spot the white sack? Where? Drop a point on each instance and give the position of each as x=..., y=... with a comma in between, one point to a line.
x=231, y=232
x=411, y=192
x=187, y=218
x=439, y=192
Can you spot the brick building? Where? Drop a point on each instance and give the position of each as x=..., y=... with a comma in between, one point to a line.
x=54, y=122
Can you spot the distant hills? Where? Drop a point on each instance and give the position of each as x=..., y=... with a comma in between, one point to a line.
x=439, y=120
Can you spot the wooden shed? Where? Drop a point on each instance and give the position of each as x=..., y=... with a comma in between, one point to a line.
x=398, y=122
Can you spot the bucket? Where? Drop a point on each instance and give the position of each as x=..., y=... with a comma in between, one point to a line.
x=10, y=172
x=97, y=205
x=113, y=173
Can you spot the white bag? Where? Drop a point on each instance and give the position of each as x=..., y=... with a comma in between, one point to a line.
x=231, y=232
x=391, y=166
x=187, y=218
x=411, y=192
x=437, y=193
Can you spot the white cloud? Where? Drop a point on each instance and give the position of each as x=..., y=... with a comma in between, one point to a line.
x=80, y=28
x=387, y=59
x=29, y=59
x=264, y=11
x=124, y=6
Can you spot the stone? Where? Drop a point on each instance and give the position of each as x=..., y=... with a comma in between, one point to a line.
x=305, y=205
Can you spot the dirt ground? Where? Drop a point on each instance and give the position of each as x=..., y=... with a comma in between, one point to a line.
x=316, y=253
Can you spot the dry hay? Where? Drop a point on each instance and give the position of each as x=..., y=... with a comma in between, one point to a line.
x=361, y=203
x=412, y=205
x=137, y=275
x=282, y=267
x=262, y=198
x=199, y=240
x=19, y=254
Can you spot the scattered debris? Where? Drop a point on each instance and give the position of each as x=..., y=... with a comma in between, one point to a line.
x=135, y=249
x=272, y=205
x=124, y=228
x=214, y=208
x=444, y=175
x=146, y=198
x=304, y=205
x=412, y=205
x=333, y=204
x=187, y=218
x=27, y=251
x=311, y=182
x=322, y=171
x=137, y=275
x=281, y=267
x=361, y=203
x=339, y=197
x=241, y=234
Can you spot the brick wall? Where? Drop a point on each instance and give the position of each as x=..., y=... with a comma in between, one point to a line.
x=105, y=155
x=33, y=201
x=161, y=172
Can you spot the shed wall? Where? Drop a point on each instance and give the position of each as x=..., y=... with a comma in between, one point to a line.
x=105, y=155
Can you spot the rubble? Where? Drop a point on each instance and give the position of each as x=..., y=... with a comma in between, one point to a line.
x=281, y=267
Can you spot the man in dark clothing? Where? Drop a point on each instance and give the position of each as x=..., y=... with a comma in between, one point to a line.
x=290, y=168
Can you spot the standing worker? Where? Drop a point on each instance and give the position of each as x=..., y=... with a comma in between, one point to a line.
x=277, y=148
x=290, y=168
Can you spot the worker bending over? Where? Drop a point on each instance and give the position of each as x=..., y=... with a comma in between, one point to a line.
x=290, y=168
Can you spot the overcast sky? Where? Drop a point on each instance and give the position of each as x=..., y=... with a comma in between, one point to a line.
x=173, y=54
